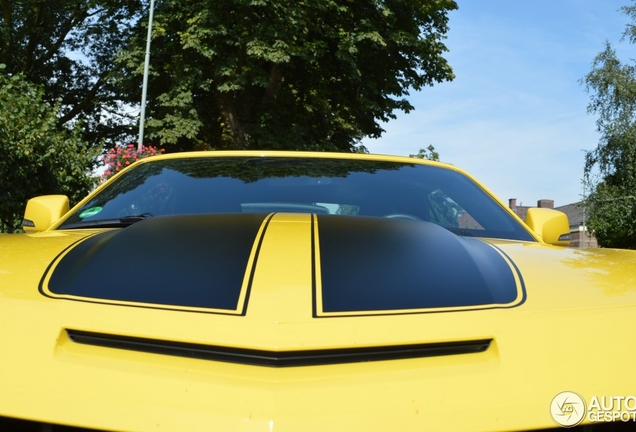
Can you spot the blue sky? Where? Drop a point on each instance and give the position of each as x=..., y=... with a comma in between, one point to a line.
x=516, y=115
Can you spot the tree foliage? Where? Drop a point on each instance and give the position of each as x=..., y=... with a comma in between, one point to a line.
x=68, y=47
x=427, y=153
x=36, y=158
x=235, y=74
x=273, y=74
x=610, y=169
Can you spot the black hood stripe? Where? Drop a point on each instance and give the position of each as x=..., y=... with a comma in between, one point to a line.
x=202, y=263
x=372, y=266
x=360, y=266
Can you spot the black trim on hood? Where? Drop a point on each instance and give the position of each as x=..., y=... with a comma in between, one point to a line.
x=279, y=358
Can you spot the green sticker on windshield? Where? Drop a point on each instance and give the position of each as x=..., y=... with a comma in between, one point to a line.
x=90, y=212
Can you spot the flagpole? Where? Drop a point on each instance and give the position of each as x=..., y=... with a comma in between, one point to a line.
x=144, y=88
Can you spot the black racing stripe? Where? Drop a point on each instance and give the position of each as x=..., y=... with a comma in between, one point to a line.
x=279, y=358
x=313, y=266
x=193, y=261
x=378, y=264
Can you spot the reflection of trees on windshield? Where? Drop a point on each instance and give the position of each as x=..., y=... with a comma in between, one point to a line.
x=250, y=170
x=147, y=187
x=362, y=187
x=132, y=180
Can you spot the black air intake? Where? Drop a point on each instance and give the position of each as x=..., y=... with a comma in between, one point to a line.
x=279, y=358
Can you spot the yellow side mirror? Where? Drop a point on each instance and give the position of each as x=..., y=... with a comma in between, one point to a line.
x=43, y=211
x=551, y=225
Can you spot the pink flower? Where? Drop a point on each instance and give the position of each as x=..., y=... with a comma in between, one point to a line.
x=119, y=157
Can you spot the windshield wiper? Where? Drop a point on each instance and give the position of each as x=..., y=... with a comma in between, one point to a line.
x=129, y=220
x=109, y=223
x=459, y=231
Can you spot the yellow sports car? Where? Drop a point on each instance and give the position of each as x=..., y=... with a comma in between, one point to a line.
x=297, y=291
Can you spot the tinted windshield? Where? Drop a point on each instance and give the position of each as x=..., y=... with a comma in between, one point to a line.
x=301, y=185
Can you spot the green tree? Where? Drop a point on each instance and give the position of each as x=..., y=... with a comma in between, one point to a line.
x=36, y=158
x=610, y=169
x=427, y=153
x=273, y=74
x=68, y=48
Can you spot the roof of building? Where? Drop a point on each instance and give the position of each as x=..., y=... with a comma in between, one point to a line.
x=575, y=213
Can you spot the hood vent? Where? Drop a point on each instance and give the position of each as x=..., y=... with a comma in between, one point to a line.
x=279, y=358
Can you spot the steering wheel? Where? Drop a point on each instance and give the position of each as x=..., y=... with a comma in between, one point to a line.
x=401, y=216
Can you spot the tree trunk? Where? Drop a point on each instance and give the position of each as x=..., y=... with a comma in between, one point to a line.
x=232, y=122
x=7, y=225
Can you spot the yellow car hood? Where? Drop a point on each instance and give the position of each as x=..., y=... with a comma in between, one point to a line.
x=546, y=320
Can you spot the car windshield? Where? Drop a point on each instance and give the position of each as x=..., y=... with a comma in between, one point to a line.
x=353, y=187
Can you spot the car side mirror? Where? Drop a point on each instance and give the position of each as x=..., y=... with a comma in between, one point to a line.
x=43, y=211
x=551, y=225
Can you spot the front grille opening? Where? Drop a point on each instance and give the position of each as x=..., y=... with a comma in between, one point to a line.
x=279, y=359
